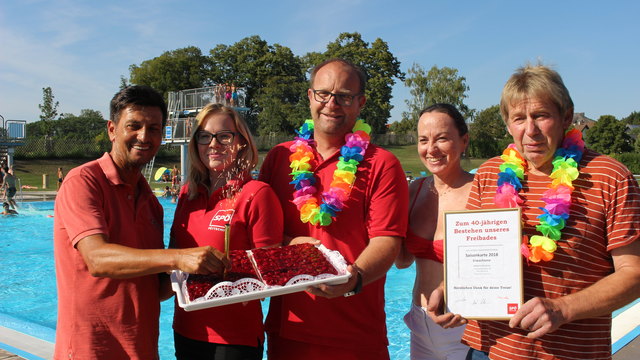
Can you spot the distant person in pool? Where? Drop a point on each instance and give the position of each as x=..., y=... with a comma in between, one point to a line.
x=7, y=210
x=442, y=139
x=60, y=177
x=9, y=186
x=175, y=176
x=111, y=268
x=220, y=191
x=575, y=275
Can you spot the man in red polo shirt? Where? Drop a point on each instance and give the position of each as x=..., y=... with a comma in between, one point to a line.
x=110, y=262
x=326, y=322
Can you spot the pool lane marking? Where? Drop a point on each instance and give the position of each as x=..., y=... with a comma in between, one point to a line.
x=625, y=340
x=625, y=326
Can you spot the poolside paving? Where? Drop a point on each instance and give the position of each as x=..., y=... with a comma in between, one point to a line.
x=630, y=352
x=5, y=355
x=38, y=348
x=40, y=195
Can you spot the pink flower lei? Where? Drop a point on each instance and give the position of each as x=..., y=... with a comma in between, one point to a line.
x=557, y=199
x=344, y=176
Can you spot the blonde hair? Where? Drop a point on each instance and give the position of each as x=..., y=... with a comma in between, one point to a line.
x=247, y=157
x=537, y=81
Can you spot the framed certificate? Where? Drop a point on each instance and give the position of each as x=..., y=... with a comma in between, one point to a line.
x=483, y=263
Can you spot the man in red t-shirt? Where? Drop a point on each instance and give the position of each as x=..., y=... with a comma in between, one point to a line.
x=326, y=322
x=110, y=262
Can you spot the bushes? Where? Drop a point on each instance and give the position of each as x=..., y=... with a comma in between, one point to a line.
x=73, y=148
x=630, y=160
x=52, y=148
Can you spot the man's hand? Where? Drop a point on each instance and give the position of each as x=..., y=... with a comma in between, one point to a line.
x=333, y=291
x=435, y=310
x=203, y=260
x=303, y=240
x=539, y=316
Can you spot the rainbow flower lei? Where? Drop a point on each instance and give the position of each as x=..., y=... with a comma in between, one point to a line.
x=557, y=199
x=343, y=177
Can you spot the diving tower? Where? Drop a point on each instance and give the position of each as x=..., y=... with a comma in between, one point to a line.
x=184, y=106
x=12, y=135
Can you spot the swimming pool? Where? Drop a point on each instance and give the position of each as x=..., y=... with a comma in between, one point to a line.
x=28, y=293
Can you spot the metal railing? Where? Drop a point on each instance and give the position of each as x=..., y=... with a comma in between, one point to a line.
x=12, y=131
x=184, y=105
x=195, y=99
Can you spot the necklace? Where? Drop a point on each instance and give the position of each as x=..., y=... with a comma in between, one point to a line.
x=432, y=186
x=344, y=176
x=557, y=199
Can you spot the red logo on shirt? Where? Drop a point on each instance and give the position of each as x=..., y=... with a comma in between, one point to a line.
x=221, y=218
x=512, y=308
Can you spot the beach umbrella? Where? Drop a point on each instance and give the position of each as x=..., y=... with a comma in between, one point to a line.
x=159, y=173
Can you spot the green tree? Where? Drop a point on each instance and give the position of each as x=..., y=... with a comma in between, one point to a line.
x=438, y=85
x=49, y=111
x=85, y=126
x=403, y=127
x=281, y=103
x=635, y=135
x=271, y=75
x=380, y=66
x=123, y=82
x=632, y=119
x=609, y=136
x=488, y=133
x=175, y=70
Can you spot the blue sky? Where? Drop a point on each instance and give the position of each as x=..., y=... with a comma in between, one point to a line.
x=81, y=48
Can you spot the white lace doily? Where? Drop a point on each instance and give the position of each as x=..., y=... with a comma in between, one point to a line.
x=226, y=289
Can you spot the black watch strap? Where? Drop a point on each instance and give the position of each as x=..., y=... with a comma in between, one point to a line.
x=357, y=288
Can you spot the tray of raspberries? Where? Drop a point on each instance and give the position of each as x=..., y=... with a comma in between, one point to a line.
x=260, y=273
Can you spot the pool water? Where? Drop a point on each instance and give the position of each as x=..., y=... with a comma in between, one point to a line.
x=28, y=293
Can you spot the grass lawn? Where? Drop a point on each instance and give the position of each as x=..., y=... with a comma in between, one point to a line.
x=408, y=156
x=30, y=171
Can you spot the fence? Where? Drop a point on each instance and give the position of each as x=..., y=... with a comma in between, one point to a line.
x=54, y=148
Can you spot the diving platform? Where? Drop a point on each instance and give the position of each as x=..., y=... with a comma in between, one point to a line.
x=12, y=135
x=184, y=106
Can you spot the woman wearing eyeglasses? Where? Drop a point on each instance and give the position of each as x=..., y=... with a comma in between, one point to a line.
x=220, y=191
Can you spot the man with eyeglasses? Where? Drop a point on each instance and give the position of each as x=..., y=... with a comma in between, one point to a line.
x=345, y=321
x=108, y=229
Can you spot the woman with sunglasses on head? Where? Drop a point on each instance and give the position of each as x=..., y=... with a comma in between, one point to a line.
x=220, y=191
x=442, y=139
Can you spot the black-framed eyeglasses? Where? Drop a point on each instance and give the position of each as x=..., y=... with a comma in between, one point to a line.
x=224, y=137
x=323, y=96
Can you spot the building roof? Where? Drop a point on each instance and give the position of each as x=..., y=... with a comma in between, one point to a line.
x=581, y=122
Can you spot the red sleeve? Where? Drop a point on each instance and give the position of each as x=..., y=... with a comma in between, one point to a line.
x=267, y=166
x=484, y=185
x=80, y=207
x=265, y=218
x=623, y=216
x=389, y=198
x=179, y=215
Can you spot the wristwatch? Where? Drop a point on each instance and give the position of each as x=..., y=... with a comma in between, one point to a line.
x=358, y=287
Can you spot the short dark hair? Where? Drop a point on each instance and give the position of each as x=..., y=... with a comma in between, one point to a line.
x=362, y=77
x=140, y=95
x=458, y=119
